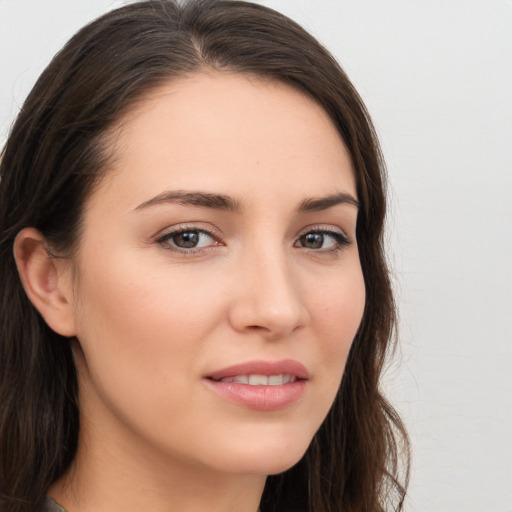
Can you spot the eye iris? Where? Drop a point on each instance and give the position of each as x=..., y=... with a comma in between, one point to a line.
x=187, y=239
x=313, y=240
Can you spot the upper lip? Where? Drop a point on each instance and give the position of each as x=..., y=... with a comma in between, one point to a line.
x=283, y=367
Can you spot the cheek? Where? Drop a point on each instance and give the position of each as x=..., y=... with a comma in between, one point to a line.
x=338, y=312
x=143, y=331
x=131, y=296
x=140, y=324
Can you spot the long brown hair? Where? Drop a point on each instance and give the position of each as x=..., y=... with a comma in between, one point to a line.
x=57, y=151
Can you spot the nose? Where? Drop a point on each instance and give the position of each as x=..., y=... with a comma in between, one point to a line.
x=268, y=300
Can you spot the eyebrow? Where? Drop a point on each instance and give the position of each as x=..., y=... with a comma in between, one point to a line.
x=228, y=203
x=322, y=203
x=201, y=199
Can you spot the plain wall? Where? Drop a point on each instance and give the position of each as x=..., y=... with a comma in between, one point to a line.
x=437, y=78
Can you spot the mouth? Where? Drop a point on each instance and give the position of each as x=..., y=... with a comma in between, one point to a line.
x=260, y=380
x=261, y=385
x=266, y=373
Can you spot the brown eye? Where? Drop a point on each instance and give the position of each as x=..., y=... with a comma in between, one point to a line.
x=187, y=239
x=312, y=240
x=322, y=240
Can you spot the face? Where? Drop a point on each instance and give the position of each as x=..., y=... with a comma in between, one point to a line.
x=217, y=285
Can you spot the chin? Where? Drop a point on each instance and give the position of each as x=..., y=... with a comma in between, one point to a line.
x=270, y=465
x=266, y=456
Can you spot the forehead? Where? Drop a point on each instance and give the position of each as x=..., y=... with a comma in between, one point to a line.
x=229, y=131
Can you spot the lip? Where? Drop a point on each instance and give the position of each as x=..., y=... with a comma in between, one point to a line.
x=262, y=397
x=285, y=366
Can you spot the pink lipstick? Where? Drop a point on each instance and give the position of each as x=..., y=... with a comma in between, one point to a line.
x=261, y=385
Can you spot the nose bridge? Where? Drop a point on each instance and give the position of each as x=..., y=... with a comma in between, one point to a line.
x=269, y=298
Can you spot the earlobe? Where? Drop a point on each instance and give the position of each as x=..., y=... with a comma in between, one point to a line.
x=46, y=280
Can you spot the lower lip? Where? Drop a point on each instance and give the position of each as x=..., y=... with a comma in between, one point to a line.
x=261, y=398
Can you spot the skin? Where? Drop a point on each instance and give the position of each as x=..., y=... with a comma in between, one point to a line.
x=152, y=319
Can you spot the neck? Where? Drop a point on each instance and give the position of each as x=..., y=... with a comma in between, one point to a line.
x=112, y=477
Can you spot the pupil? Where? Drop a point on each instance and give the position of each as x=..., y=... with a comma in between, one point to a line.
x=187, y=240
x=314, y=240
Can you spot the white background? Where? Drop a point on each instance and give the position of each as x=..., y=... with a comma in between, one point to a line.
x=437, y=77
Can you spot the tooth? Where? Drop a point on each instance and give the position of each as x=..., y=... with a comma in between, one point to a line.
x=276, y=380
x=258, y=380
x=261, y=380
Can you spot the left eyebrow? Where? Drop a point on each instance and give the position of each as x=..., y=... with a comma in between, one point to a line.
x=322, y=203
x=200, y=199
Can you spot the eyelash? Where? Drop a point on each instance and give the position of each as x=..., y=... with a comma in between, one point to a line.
x=164, y=240
x=341, y=239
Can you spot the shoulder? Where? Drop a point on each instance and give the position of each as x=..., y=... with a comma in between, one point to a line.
x=51, y=506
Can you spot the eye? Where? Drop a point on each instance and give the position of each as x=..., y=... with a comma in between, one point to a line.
x=322, y=240
x=187, y=239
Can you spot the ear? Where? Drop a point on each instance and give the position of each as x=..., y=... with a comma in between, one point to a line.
x=47, y=281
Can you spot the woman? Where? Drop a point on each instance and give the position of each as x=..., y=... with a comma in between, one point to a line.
x=195, y=303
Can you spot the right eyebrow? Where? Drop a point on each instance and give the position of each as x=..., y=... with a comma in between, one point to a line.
x=201, y=199
x=323, y=203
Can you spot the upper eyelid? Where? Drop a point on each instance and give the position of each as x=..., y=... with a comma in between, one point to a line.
x=325, y=228
x=339, y=236
x=218, y=235
x=180, y=228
